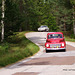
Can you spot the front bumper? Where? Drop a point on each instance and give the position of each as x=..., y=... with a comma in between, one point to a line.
x=55, y=48
x=41, y=29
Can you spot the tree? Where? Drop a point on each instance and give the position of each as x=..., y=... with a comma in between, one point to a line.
x=2, y=21
x=73, y=4
x=63, y=14
x=30, y=14
x=0, y=17
x=12, y=17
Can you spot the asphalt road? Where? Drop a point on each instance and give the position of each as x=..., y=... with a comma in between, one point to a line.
x=51, y=63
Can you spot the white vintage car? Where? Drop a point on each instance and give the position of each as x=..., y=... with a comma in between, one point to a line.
x=43, y=28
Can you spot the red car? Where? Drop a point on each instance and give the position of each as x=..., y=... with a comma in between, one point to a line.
x=55, y=41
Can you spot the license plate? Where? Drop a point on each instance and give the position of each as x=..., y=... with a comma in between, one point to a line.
x=57, y=46
x=52, y=46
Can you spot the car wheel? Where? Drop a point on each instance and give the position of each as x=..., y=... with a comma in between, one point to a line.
x=46, y=30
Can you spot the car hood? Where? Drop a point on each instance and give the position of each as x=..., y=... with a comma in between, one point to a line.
x=55, y=40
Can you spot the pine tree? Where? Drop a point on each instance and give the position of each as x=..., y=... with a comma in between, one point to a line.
x=73, y=4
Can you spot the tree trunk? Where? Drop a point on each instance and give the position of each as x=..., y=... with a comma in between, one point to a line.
x=64, y=26
x=74, y=19
x=2, y=21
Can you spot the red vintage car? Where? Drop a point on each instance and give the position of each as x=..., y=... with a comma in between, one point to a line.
x=55, y=41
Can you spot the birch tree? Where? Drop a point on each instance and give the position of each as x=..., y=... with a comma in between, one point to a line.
x=2, y=21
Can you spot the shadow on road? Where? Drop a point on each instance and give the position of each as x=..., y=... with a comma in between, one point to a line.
x=55, y=51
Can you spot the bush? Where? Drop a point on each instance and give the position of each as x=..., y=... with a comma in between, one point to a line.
x=16, y=48
x=67, y=33
x=72, y=36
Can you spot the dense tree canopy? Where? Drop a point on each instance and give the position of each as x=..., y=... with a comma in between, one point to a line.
x=73, y=6
x=72, y=1
x=30, y=14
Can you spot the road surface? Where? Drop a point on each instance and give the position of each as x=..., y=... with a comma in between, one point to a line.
x=52, y=63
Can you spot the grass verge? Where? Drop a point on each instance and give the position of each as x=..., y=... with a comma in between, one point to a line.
x=67, y=38
x=16, y=48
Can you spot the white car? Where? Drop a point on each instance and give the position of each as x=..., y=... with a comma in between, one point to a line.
x=43, y=28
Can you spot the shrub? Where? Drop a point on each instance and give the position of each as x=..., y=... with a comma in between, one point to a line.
x=72, y=36
x=16, y=48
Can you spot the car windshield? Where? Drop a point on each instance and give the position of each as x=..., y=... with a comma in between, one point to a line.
x=54, y=36
x=43, y=26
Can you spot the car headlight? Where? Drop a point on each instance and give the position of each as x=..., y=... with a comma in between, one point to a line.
x=47, y=45
x=62, y=44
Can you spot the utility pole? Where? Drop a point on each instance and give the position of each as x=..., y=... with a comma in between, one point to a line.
x=2, y=21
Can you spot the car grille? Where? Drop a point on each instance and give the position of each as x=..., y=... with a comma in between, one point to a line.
x=55, y=45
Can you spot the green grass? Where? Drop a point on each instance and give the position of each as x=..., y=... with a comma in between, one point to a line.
x=67, y=38
x=16, y=48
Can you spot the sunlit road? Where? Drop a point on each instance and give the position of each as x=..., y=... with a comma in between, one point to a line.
x=52, y=63
x=54, y=57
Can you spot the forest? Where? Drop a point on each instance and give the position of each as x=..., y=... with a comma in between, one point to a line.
x=17, y=17
x=28, y=15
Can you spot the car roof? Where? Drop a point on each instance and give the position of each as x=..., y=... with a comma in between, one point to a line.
x=55, y=33
x=43, y=25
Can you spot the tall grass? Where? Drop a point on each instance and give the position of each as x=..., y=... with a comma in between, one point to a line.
x=69, y=36
x=16, y=48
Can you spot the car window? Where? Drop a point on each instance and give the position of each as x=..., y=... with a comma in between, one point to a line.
x=43, y=26
x=54, y=36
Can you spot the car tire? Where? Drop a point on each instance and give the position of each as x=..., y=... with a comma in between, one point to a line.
x=46, y=30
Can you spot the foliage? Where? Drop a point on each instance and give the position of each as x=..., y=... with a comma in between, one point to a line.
x=22, y=15
x=52, y=23
x=72, y=1
x=67, y=38
x=72, y=36
x=16, y=48
x=64, y=15
x=12, y=17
